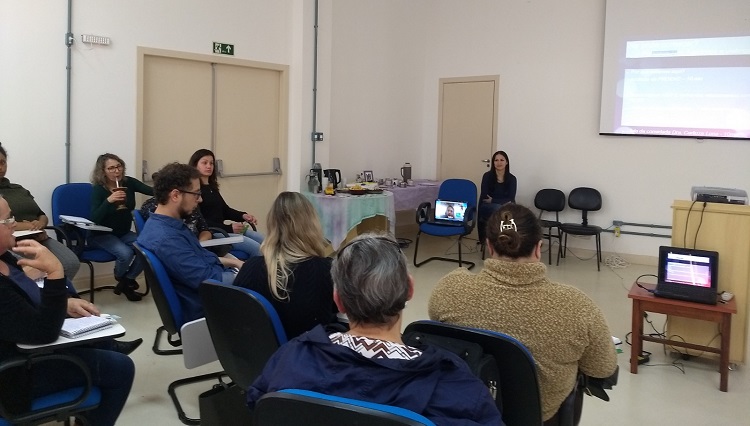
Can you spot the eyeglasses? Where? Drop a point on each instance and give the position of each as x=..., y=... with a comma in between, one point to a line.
x=114, y=168
x=385, y=239
x=9, y=221
x=197, y=194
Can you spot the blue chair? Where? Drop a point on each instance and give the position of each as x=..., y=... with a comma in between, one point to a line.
x=297, y=407
x=74, y=199
x=172, y=318
x=519, y=399
x=246, y=331
x=58, y=406
x=451, y=190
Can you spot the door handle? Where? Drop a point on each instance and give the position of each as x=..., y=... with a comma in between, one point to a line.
x=486, y=160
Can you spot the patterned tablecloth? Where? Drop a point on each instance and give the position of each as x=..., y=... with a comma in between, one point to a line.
x=411, y=197
x=340, y=213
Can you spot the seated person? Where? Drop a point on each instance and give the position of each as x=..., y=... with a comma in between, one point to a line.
x=561, y=326
x=370, y=362
x=31, y=315
x=177, y=190
x=497, y=189
x=299, y=285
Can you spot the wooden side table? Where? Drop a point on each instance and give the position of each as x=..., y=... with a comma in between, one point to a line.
x=645, y=301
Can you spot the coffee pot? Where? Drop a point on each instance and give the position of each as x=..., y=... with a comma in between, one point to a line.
x=334, y=176
x=317, y=173
x=406, y=172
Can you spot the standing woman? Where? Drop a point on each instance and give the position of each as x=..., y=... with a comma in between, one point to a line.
x=113, y=208
x=215, y=210
x=498, y=188
x=29, y=217
x=299, y=285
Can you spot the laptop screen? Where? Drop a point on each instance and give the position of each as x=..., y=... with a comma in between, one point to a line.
x=450, y=210
x=697, y=268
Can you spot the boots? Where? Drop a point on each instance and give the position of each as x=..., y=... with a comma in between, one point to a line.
x=126, y=286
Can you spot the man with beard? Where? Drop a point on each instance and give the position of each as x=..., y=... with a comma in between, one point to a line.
x=177, y=192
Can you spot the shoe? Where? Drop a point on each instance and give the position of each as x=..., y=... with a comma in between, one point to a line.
x=126, y=347
x=123, y=287
x=133, y=284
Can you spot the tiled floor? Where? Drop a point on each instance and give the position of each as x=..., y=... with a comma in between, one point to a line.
x=660, y=394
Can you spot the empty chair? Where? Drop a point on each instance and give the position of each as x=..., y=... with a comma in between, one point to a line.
x=519, y=399
x=550, y=201
x=74, y=199
x=586, y=200
x=291, y=407
x=458, y=190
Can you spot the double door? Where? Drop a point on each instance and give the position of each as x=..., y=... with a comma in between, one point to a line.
x=236, y=108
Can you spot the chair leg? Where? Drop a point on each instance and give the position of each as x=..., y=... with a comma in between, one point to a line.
x=93, y=289
x=598, y=252
x=416, y=249
x=186, y=381
x=549, y=246
x=159, y=332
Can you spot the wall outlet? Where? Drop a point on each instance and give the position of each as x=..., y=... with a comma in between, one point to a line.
x=317, y=137
x=617, y=231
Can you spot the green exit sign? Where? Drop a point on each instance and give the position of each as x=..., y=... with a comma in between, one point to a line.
x=223, y=48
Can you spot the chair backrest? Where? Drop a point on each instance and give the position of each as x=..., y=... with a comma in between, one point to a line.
x=244, y=327
x=165, y=297
x=459, y=190
x=549, y=199
x=585, y=199
x=520, y=400
x=71, y=199
x=296, y=407
x=139, y=221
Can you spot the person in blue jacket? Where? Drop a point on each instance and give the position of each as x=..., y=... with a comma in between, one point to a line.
x=498, y=188
x=370, y=362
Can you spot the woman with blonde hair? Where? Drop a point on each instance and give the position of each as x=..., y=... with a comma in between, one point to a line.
x=293, y=272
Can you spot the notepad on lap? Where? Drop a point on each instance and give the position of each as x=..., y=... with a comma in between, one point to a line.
x=77, y=327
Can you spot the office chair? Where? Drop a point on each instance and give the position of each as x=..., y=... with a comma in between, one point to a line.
x=246, y=331
x=519, y=399
x=290, y=407
x=548, y=201
x=74, y=199
x=586, y=200
x=58, y=406
x=452, y=190
x=173, y=323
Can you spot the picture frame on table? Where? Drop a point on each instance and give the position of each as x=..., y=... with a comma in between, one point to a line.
x=367, y=176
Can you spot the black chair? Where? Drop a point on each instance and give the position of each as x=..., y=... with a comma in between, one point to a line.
x=550, y=201
x=292, y=407
x=74, y=199
x=586, y=200
x=58, y=406
x=246, y=331
x=451, y=190
x=519, y=400
x=172, y=318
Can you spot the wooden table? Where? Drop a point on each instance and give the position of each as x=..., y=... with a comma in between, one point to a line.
x=645, y=301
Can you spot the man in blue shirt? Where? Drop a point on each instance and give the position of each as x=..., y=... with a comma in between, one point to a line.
x=177, y=192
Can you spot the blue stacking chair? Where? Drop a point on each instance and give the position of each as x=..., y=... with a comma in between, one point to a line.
x=172, y=318
x=451, y=190
x=74, y=199
x=519, y=399
x=297, y=407
x=58, y=406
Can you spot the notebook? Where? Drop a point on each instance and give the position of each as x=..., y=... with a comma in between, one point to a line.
x=450, y=212
x=77, y=327
x=688, y=274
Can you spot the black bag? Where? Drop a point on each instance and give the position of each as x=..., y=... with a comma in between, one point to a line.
x=224, y=405
x=481, y=364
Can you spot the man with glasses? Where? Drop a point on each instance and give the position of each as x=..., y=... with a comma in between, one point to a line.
x=177, y=192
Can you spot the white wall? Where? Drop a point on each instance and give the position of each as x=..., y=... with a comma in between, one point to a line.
x=379, y=66
x=389, y=55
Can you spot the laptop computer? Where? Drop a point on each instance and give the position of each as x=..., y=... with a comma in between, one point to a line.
x=688, y=274
x=450, y=212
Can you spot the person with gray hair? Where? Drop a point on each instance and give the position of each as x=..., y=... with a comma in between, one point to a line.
x=370, y=362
